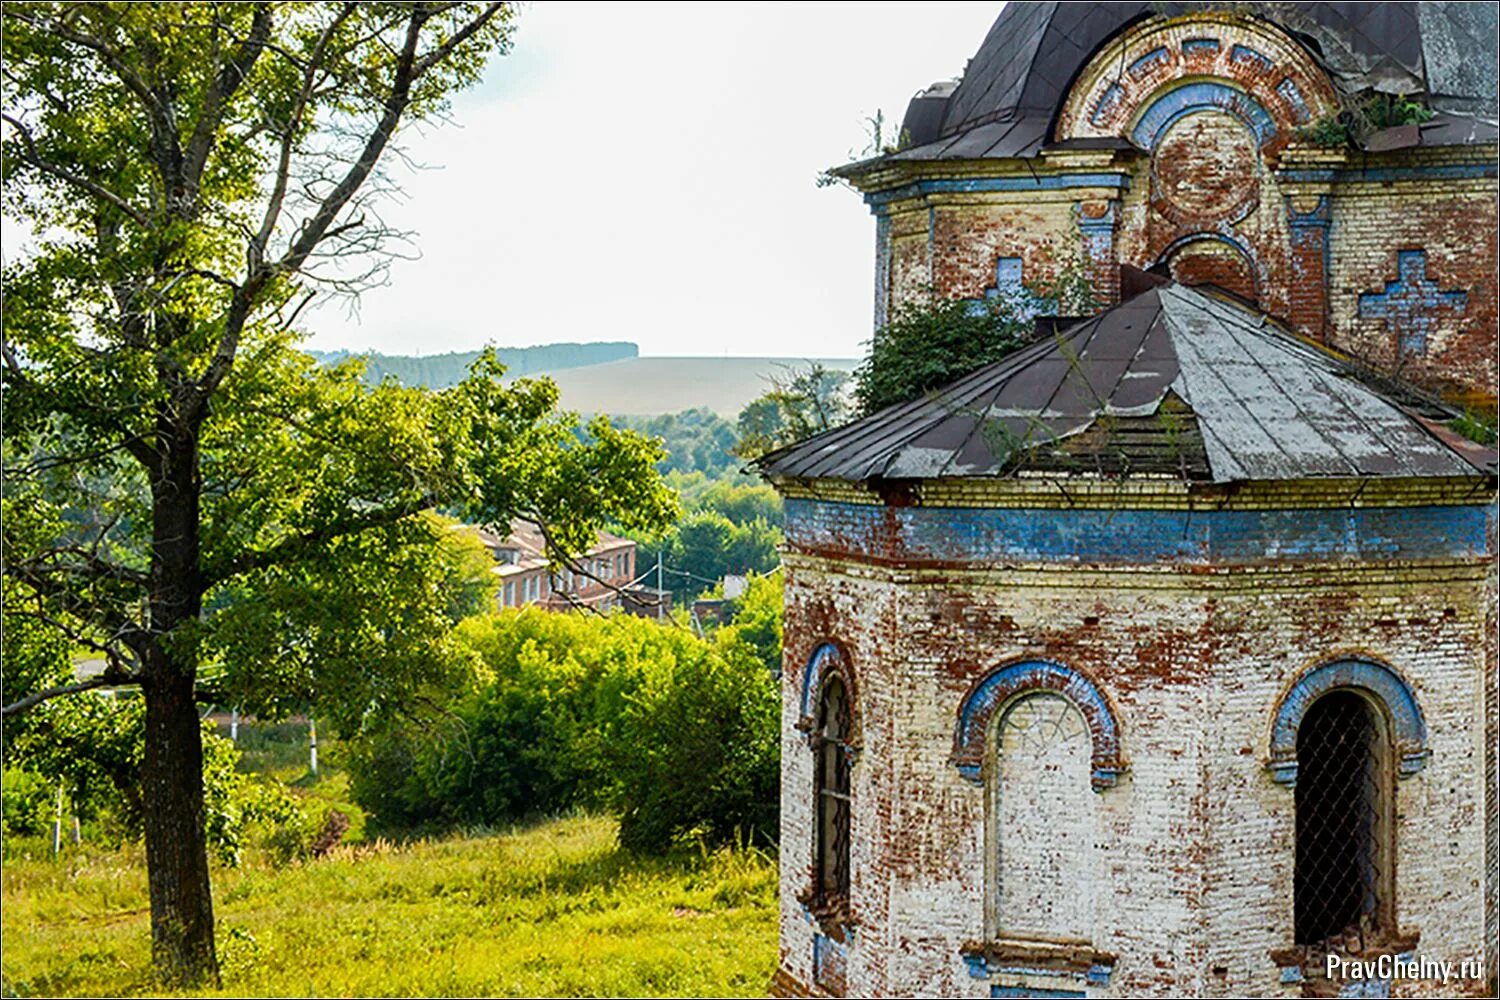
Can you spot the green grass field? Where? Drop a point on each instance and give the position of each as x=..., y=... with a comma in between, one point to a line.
x=552, y=909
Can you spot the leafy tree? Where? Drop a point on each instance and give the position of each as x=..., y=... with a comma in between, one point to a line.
x=696, y=440
x=185, y=492
x=930, y=342
x=799, y=404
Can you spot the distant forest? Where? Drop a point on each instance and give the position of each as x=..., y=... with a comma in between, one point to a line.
x=438, y=371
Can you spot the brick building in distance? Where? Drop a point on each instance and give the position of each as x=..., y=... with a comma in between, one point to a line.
x=527, y=576
x=1159, y=657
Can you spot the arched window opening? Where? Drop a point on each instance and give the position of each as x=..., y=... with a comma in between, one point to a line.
x=1343, y=797
x=831, y=745
x=1043, y=825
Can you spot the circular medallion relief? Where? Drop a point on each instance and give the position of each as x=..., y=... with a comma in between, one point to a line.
x=1205, y=169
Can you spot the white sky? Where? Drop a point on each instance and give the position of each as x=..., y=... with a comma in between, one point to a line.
x=645, y=172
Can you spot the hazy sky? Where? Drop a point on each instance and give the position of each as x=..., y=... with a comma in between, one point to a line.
x=646, y=172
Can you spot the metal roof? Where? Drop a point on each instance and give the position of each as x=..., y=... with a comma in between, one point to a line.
x=1174, y=381
x=1011, y=90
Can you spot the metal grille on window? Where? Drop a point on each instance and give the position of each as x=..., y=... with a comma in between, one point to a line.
x=1339, y=799
x=833, y=793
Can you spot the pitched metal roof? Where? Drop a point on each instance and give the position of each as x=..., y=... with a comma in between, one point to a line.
x=1173, y=381
x=1011, y=90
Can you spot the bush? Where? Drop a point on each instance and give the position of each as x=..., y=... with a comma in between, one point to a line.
x=676, y=733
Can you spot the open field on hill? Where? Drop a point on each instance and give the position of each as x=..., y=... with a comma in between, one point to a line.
x=649, y=386
x=552, y=909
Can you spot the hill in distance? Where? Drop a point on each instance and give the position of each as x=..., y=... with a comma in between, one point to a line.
x=608, y=377
x=438, y=371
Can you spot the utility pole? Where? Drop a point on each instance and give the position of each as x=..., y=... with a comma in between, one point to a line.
x=234, y=725
x=312, y=749
x=660, y=594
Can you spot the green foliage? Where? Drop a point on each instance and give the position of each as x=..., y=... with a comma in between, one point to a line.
x=577, y=710
x=1355, y=124
x=929, y=343
x=556, y=909
x=800, y=404
x=439, y=371
x=1476, y=425
x=697, y=440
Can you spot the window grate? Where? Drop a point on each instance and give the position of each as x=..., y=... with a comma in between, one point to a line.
x=1338, y=799
x=833, y=794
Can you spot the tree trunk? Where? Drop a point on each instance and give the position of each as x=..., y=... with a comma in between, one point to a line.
x=182, y=915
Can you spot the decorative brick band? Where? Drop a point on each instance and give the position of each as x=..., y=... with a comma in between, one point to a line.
x=1409, y=729
x=950, y=535
x=999, y=686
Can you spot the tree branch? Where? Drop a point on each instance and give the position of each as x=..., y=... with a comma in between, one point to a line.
x=34, y=158
x=228, y=80
x=106, y=679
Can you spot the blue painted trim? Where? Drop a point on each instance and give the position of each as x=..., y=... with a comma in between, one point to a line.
x=1203, y=95
x=1450, y=172
x=1410, y=305
x=1042, y=182
x=1108, y=101
x=1292, y=94
x=1409, y=728
x=1291, y=974
x=988, y=536
x=1148, y=62
x=1033, y=991
x=999, y=686
x=824, y=656
x=1192, y=45
x=1245, y=54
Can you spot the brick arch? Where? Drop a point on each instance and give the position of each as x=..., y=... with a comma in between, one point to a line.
x=1379, y=683
x=1004, y=684
x=1229, y=264
x=828, y=657
x=1235, y=62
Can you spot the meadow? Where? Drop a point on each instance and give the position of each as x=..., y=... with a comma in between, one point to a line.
x=552, y=907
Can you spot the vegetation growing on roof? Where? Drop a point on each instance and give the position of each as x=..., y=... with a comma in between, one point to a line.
x=1356, y=123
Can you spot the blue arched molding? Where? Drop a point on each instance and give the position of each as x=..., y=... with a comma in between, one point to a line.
x=1002, y=684
x=827, y=658
x=1202, y=95
x=1408, y=728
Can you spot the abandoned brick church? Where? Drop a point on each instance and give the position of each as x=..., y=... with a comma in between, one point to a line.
x=1159, y=657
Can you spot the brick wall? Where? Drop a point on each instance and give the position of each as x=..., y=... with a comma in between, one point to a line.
x=1223, y=191
x=1196, y=839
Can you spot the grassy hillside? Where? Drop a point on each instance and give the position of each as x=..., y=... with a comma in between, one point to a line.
x=438, y=371
x=554, y=909
x=650, y=386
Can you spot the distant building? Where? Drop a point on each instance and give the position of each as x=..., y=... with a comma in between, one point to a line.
x=527, y=576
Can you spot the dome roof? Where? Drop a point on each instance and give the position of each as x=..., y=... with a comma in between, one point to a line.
x=1014, y=85
x=1175, y=382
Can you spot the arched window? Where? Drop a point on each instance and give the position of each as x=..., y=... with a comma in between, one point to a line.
x=1342, y=736
x=1343, y=796
x=831, y=745
x=1043, y=822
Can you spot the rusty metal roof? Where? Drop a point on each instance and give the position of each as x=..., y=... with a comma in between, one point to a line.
x=1174, y=381
x=1013, y=86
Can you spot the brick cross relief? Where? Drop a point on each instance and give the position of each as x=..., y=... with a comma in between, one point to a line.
x=1024, y=303
x=1413, y=304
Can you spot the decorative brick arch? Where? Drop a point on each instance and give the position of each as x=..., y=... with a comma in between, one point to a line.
x=1003, y=684
x=1158, y=69
x=1378, y=682
x=828, y=657
x=1228, y=263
